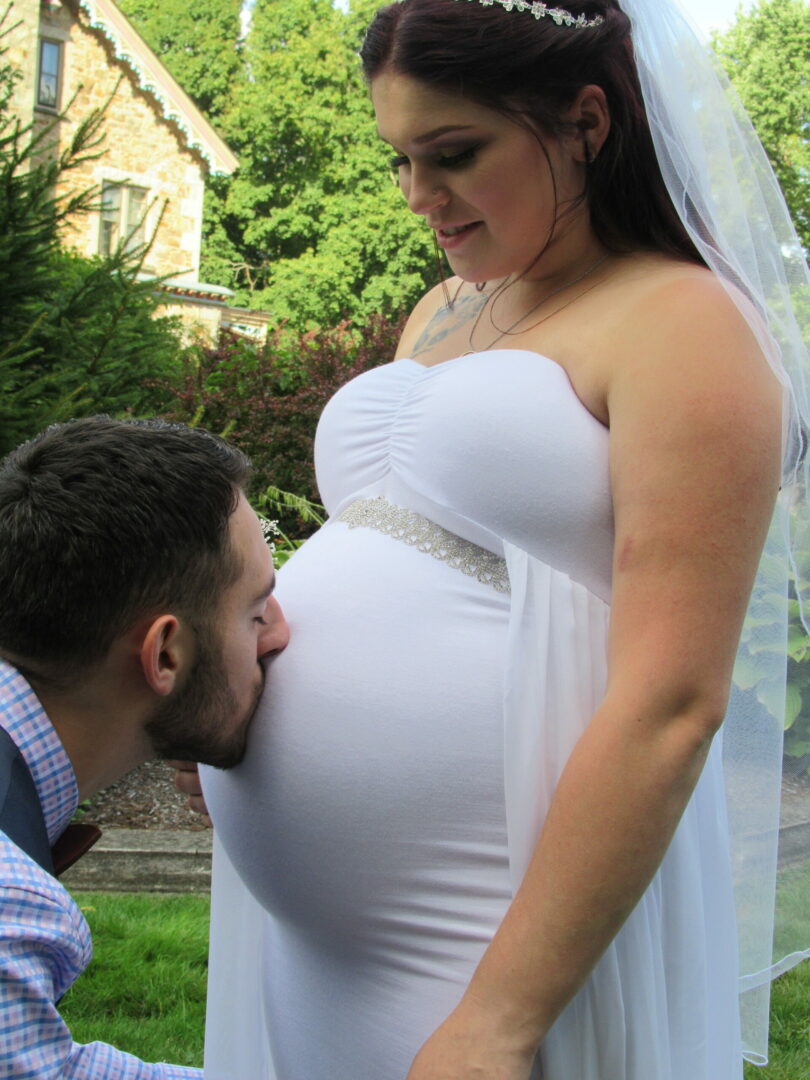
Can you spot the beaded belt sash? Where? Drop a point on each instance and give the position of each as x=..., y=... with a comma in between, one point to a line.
x=427, y=536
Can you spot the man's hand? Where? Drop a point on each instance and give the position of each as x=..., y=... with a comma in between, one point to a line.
x=187, y=780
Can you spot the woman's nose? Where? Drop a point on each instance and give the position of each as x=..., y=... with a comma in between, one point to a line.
x=422, y=191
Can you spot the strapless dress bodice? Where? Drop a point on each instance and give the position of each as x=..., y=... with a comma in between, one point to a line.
x=493, y=446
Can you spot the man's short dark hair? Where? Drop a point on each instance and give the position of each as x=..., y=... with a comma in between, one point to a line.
x=103, y=522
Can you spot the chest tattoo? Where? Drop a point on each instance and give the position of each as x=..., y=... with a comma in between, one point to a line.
x=447, y=320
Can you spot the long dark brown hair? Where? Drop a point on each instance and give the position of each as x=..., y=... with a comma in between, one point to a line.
x=532, y=70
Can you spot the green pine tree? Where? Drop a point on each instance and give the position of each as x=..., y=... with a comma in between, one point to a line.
x=77, y=335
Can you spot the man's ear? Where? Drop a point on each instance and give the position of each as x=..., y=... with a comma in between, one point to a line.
x=590, y=116
x=164, y=653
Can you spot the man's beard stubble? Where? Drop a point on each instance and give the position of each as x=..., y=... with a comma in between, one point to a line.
x=197, y=724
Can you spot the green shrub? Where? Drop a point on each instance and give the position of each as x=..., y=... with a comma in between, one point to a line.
x=268, y=400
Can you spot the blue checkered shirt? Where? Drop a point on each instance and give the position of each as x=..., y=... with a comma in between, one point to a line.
x=44, y=939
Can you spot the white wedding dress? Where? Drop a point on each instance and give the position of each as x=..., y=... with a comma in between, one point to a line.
x=410, y=739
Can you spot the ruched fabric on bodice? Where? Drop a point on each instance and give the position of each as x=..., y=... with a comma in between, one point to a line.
x=409, y=742
x=493, y=446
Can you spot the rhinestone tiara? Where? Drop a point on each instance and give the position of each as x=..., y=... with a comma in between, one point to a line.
x=540, y=11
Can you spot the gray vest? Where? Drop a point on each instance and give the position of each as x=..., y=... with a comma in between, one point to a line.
x=21, y=816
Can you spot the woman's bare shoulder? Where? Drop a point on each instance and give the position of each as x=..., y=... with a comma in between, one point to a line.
x=688, y=342
x=673, y=313
x=669, y=289
x=439, y=304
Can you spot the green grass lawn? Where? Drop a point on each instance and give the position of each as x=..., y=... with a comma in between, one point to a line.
x=145, y=990
x=789, y=1049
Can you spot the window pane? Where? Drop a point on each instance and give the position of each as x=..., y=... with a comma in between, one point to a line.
x=49, y=58
x=110, y=218
x=123, y=212
x=136, y=212
x=137, y=205
x=108, y=239
x=111, y=199
x=48, y=93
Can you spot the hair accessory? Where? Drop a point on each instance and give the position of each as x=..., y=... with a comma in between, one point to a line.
x=540, y=11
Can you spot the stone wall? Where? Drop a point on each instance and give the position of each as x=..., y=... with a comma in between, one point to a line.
x=201, y=322
x=140, y=147
x=21, y=53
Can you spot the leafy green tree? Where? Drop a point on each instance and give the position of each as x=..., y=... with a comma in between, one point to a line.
x=198, y=42
x=766, y=53
x=77, y=335
x=312, y=227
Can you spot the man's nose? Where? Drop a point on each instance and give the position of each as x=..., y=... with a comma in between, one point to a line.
x=276, y=634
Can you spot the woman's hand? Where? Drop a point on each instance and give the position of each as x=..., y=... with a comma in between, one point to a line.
x=187, y=780
x=469, y=1045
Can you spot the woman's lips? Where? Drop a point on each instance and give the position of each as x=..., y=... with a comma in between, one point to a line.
x=453, y=236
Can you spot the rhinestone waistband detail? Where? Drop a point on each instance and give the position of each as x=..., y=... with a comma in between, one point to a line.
x=427, y=536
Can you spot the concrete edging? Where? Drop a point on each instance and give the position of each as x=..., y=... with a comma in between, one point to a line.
x=145, y=860
x=168, y=860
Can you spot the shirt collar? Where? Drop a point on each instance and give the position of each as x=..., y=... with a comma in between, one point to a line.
x=25, y=720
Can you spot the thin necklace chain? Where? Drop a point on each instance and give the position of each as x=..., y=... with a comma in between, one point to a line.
x=534, y=307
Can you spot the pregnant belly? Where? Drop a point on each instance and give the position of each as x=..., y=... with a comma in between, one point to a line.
x=372, y=792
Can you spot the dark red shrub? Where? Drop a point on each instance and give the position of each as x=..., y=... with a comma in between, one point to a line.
x=268, y=400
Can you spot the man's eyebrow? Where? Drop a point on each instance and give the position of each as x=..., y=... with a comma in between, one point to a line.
x=268, y=591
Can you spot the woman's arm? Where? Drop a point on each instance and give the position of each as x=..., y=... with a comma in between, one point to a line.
x=695, y=451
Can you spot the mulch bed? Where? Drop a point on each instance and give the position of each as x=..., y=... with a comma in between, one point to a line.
x=145, y=798
x=795, y=798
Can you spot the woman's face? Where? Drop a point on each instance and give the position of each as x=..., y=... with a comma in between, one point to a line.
x=481, y=180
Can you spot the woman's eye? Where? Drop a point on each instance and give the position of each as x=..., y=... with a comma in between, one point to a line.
x=261, y=621
x=444, y=161
x=454, y=161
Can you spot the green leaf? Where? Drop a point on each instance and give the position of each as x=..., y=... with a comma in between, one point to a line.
x=793, y=704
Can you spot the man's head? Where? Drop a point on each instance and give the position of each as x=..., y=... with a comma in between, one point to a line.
x=137, y=532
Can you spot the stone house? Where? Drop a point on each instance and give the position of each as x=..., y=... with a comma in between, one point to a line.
x=75, y=55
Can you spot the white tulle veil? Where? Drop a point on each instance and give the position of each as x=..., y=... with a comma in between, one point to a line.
x=727, y=196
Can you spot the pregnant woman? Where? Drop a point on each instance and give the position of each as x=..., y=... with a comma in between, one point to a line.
x=482, y=827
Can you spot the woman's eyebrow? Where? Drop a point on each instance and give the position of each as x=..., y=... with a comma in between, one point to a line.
x=435, y=133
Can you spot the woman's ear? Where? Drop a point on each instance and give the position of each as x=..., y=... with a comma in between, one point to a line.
x=163, y=653
x=589, y=116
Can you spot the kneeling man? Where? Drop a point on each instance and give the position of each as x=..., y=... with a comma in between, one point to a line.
x=136, y=609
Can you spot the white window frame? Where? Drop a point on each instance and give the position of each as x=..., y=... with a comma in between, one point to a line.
x=122, y=218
